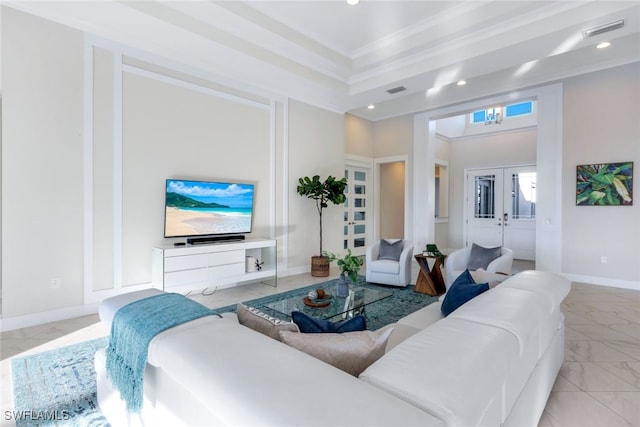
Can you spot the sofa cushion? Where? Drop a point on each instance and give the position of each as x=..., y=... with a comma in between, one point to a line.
x=390, y=251
x=552, y=286
x=351, y=352
x=520, y=314
x=463, y=289
x=454, y=370
x=263, y=323
x=481, y=257
x=311, y=325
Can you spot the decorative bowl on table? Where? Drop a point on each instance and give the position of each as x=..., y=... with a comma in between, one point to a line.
x=317, y=298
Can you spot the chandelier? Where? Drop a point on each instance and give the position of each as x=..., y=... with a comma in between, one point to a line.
x=493, y=116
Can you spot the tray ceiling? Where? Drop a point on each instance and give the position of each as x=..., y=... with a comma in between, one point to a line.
x=343, y=57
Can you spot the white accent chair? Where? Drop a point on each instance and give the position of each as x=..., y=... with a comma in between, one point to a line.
x=389, y=272
x=456, y=263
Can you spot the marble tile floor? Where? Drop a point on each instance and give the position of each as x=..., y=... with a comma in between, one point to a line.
x=598, y=384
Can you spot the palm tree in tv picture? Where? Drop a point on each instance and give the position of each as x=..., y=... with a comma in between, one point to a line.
x=323, y=192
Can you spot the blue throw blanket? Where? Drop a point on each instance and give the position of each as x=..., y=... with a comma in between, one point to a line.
x=133, y=328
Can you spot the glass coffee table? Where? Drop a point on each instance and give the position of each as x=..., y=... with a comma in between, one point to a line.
x=344, y=307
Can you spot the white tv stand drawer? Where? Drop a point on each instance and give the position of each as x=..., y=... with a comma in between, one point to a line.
x=186, y=277
x=179, y=263
x=219, y=265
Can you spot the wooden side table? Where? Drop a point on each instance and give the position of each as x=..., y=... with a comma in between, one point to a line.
x=429, y=281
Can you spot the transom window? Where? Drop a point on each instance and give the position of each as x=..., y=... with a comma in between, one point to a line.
x=511, y=110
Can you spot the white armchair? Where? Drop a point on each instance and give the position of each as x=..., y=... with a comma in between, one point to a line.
x=389, y=272
x=456, y=262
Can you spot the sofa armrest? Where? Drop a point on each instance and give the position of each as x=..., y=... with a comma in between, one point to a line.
x=407, y=255
x=371, y=255
x=455, y=261
x=108, y=307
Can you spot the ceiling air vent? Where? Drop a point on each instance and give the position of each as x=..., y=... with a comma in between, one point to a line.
x=396, y=89
x=603, y=28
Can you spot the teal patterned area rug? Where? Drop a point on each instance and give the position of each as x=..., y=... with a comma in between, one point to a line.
x=57, y=387
x=404, y=301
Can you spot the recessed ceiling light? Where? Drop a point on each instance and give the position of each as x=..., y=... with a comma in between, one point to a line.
x=461, y=82
x=353, y=2
x=371, y=107
x=603, y=45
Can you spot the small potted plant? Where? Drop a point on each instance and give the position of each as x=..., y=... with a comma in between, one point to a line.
x=349, y=266
x=323, y=192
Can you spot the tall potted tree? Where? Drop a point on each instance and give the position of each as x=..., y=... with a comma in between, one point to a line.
x=323, y=192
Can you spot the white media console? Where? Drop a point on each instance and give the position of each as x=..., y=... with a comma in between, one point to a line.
x=213, y=266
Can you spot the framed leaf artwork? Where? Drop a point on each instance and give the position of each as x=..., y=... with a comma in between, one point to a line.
x=604, y=184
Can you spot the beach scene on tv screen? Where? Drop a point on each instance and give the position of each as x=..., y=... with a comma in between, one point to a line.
x=204, y=208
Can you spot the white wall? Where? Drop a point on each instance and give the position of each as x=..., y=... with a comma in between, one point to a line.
x=601, y=125
x=88, y=207
x=317, y=145
x=42, y=168
x=359, y=136
x=393, y=137
x=172, y=132
x=393, y=141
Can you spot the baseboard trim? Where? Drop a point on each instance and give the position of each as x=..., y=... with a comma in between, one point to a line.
x=604, y=281
x=93, y=301
x=11, y=323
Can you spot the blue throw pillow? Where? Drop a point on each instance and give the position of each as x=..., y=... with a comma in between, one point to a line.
x=311, y=325
x=463, y=289
x=390, y=251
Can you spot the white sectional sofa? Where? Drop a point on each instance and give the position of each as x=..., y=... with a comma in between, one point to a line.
x=491, y=362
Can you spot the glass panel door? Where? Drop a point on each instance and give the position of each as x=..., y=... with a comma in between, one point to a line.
x=356, y=210
x=484, y=204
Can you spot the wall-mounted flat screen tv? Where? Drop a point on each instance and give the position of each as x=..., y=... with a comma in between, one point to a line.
x=207, y=208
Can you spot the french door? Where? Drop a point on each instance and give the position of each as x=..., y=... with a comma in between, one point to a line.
x=501, y=209
x=357, y=218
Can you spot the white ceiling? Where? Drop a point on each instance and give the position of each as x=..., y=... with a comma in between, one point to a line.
x=344, y=57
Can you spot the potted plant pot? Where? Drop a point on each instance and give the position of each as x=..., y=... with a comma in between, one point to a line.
x=319, y=266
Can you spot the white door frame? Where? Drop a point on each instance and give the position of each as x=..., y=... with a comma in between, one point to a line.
x=352, y=160
x=548, y=161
